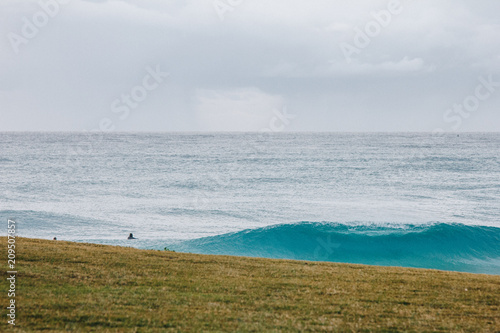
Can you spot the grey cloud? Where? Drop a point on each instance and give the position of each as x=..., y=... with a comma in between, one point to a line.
x=426, y=59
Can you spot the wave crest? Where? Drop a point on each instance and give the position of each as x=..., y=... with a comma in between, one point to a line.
x=438, y=245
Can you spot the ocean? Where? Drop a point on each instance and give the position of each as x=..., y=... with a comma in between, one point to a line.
x=397, y=199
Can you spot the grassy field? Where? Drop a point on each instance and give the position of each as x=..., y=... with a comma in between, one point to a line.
x=86, y=287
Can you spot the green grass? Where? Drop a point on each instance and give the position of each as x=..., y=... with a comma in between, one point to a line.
x=65, y=286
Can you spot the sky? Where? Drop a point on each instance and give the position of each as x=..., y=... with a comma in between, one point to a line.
x=250, y=65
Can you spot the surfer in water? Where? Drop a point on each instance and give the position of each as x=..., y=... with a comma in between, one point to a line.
x=131, y=236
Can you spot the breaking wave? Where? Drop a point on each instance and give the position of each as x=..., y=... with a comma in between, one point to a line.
x=443, y=246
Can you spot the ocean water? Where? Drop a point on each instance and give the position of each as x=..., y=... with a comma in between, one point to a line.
x=399, y=199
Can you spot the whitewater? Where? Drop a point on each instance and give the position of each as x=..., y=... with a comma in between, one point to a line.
x=400, y=199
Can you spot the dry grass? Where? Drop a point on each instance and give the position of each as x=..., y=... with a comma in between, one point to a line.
x=86, y=287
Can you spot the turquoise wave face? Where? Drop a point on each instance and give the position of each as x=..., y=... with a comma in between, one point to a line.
x=457, y=247
x=442, y=246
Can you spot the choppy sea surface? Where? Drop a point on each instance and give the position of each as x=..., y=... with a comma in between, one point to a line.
x=398, y=199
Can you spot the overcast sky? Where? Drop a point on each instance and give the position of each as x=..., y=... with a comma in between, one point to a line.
x=248, y=65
